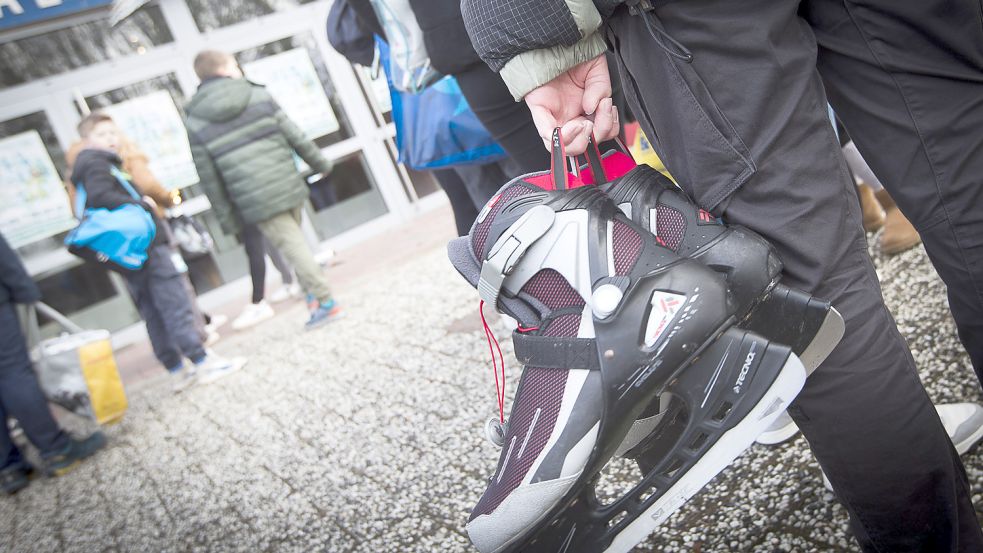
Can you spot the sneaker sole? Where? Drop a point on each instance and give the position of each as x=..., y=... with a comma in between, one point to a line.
x=781, y=393
x=965, y=445
x=253, y=323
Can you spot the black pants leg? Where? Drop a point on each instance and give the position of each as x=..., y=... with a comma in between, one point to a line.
x=255, y=246
x=906, y=78
x=744, y=128
x=508, y=121
x=21, y=397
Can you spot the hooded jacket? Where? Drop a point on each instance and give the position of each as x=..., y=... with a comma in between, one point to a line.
x=243, y=145
x=16, y=286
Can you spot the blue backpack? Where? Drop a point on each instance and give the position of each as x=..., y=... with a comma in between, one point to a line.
x=118, y=238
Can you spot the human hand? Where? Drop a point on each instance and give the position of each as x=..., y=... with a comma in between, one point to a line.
x=578, y=101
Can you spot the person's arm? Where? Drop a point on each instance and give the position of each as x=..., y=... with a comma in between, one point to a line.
x=14, y=276
x=213, y=186
x=136, y=165
x=553, y=57
x=305, y=147
x=101, y=187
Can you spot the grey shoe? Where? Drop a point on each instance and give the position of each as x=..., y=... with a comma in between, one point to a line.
x=782, y=430
x=184, y=378
x=76, y=450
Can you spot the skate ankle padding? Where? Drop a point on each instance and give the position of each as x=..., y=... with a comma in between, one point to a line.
x=508, y=250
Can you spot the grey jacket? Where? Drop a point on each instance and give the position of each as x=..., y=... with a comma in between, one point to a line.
x=530, y=42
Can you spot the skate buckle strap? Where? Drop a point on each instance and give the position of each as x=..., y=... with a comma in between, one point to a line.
x=510, y=248
x=552, y=352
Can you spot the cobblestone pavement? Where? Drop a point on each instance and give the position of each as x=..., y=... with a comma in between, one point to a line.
x=366, y=435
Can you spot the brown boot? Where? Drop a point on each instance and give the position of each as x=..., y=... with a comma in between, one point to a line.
x=872, y=211
x=899, y=234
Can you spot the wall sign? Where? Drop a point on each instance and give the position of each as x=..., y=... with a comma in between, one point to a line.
x=33, y=201
x=14, y=13
x=153, y=123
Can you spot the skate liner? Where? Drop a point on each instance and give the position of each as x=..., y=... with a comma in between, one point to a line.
x=609, y=319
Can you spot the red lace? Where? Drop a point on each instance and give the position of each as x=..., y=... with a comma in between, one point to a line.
x=499, y=386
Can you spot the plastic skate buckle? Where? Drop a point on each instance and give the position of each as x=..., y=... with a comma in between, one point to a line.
x=509, y=249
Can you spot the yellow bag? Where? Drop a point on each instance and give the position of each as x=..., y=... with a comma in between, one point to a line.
x=641, y=149
x=106, y=394
x=77, y=370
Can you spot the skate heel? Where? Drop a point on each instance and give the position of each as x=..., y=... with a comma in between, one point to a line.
x=751, y=264
x=818, y=330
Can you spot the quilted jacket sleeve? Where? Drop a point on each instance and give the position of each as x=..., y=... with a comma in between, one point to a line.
x=530, y=42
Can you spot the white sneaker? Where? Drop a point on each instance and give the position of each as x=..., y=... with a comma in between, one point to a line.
x=211, y=337
x=284, y=293
x=963, y=423
x=253, y=314
x=183, y=379
x=215, y=367
x=783, y=429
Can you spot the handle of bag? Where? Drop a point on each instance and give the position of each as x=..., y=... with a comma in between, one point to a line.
x=558, y=160
x=54, y=315
x=81, y=195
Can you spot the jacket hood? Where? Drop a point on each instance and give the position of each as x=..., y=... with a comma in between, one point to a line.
x=90, y=155
x=220, y=99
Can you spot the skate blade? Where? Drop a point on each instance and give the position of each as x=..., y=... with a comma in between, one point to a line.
x=781, y=393
x=824, y=342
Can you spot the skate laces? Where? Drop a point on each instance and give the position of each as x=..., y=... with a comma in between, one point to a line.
x=499, y=383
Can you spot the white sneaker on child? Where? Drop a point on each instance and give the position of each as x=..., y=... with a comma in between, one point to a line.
x=184, y=378
x=214, y=367
x=253, y=314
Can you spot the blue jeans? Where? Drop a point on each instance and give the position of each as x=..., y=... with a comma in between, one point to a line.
x=21, y=398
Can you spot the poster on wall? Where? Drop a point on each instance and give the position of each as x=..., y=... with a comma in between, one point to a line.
x=291, y=79
x=33, y=201
x=153, y=123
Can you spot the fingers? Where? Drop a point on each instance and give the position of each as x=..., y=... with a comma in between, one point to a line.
x=576, y=135
x=606, y=121
x=597, y=85
x=545, y=122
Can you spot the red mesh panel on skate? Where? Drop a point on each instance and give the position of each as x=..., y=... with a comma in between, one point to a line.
x=627, y=246
x=549, y=287
x=480, y=233
x=670, y=226
x=539, y=389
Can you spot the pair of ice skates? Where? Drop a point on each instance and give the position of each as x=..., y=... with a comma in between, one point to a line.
x=647, y=329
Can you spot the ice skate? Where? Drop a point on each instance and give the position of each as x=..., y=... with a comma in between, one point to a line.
x=609, y=319
x=810, y=326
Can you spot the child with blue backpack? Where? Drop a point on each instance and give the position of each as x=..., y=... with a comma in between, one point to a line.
x=156, y=286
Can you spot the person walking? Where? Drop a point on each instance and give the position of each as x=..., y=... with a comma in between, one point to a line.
x=258, y=309
x=730, y=94
x=20, y=395
x=158, y=287
x=243, y=146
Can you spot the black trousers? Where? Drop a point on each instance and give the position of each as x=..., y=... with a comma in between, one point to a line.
x=738, y=113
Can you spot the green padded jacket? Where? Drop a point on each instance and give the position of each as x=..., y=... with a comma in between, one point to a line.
x=243, y=145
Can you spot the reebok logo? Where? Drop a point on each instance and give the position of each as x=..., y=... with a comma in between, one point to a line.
x=745, y=368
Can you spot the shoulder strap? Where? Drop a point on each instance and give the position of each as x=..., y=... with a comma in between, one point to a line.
x=124, y=182
x=80, y=197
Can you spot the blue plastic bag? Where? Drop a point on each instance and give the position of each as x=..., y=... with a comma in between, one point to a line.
x=436, y=128
x=118, y=238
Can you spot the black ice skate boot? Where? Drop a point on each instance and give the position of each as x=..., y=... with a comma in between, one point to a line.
x=609, y=320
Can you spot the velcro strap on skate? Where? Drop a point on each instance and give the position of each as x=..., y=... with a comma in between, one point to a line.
x=552, y=352
x=509, y=249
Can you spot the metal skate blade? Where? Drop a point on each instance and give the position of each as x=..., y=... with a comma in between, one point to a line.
x=829, y=335
x=782, y=391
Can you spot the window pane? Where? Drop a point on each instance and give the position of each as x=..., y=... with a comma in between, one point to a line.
x=210, y=14
x=77, y=288
x=347, y=198
x=306, y=43
x=48, y=54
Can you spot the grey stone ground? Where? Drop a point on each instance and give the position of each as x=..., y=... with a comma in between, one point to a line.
x=367, y=435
